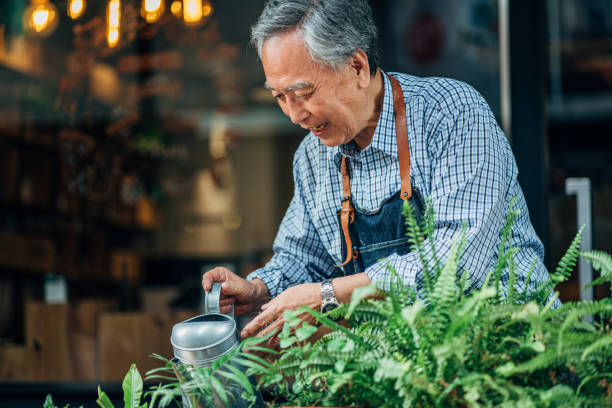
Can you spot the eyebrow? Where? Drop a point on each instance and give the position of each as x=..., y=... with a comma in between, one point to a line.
x=292, y=87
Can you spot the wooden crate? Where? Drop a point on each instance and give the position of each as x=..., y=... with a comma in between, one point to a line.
x=15, y=364
x=83, y=337
x=62, y=340
x=127, y=338
x=47, y=331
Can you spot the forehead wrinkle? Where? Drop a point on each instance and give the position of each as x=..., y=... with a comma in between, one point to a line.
x=295, y=86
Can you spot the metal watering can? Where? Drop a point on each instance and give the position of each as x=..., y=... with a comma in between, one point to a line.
x=205, y=338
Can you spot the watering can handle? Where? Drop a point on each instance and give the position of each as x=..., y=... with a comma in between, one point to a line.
x=211, y=300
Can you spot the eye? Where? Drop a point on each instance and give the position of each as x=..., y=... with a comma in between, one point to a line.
x=304, y=95
x=279, y=97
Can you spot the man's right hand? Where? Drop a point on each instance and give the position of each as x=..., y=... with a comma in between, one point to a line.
x=244, y=295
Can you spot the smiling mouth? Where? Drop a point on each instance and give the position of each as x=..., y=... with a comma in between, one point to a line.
x=320, y=127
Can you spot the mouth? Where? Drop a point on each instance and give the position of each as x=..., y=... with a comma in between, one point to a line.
x=318, y=130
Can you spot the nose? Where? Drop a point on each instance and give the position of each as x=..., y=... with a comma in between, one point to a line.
x=296, y=112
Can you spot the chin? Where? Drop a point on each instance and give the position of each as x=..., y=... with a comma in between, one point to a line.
x=333, y=140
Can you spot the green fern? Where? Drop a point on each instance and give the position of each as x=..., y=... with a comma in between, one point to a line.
x=568, y=261
x=563, y=270
x=453, y=346
x=601, y=262
x=416, y=240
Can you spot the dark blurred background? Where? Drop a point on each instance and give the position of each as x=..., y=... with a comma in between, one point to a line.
x=138, y=150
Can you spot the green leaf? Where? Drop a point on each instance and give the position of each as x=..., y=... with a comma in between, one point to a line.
x=219, y=390
x=472, y=395
x=305, y=331
x=359, y=294
x=601, y=262
x=340, y=381
x=298, y=386
x=103, y=401
x=132, y=388
x=335, y=345
x=349, y=346
x=292, y=317
x=286, y=332
x=237, y=377
x=411, y=312
x=287, y=342
x=602, y=342
x=274, y=379
x=49, y=402
x=506, y=370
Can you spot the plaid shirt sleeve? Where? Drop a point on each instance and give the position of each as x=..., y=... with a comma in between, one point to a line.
x=299, y=255
x=470, y=170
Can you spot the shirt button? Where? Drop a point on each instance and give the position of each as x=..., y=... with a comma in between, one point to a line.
x=372, y=173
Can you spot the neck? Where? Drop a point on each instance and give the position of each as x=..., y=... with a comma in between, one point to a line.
x=375, y=96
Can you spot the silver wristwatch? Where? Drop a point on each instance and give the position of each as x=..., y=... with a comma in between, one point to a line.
x=328, y=299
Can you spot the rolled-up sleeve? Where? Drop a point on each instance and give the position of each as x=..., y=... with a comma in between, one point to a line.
x=299, y=256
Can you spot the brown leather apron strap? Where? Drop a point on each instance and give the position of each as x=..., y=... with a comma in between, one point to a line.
x=347, y=212
x=403, y=150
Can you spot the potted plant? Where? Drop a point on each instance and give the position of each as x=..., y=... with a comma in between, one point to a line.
x=447, y=346
x=451, y=346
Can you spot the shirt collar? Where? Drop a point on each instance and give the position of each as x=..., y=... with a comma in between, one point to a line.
x=384, y=136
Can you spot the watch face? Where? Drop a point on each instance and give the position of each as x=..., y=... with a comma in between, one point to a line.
x=328, y=306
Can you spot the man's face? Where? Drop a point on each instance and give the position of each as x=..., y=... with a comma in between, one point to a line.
x=329, y=103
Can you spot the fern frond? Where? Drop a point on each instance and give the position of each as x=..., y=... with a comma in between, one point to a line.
x=601, y=262
x=465, y=284
x=428, y=232
x=568, y=261
x=512, y=296
x=503, y=252
x=416, y=239
x=581, y=310
x=444, y=296
x=444, y=290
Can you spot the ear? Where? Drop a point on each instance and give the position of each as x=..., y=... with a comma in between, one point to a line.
x=360, y=68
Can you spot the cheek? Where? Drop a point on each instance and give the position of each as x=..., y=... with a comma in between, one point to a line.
x=283, y=108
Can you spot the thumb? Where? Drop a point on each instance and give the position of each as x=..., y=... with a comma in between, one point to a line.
x=214, y=275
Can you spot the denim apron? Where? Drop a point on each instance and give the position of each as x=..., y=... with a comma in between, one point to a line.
x=368, y=236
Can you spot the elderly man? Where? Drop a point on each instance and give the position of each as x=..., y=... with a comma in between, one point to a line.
x=374, y=140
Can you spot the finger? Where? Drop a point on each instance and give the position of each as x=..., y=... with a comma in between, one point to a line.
x=257, y=323
x=224, y=301
x=275, y=325
x=218, y=274
x=225, y=309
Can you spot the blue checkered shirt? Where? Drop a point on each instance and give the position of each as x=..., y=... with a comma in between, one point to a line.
x=460, y=159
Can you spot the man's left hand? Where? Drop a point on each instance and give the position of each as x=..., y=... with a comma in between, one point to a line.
x=271, y=317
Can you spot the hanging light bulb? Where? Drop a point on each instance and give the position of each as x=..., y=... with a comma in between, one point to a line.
x=176, y=8
x=207, y=9
x=152, y=10
x=196, y=12
x=113, y=17
x=40, y=18
x=76, y=8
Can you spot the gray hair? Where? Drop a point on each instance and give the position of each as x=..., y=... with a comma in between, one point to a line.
x=332, y=29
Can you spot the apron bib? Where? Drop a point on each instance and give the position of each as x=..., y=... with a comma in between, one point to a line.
x=368, y=237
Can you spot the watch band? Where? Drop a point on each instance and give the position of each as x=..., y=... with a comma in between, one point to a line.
x=327, y=294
